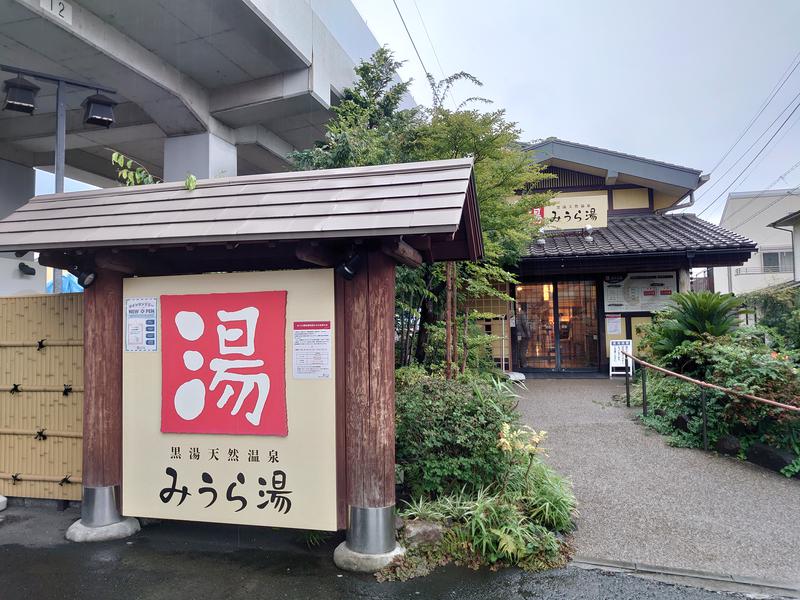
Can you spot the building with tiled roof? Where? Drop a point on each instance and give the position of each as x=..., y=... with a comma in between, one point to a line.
x=612, y=252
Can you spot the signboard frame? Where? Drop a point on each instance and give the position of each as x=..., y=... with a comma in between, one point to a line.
x=302, y=467
x=644, y=292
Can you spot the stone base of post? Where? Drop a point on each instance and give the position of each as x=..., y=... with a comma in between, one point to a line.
x=348, y=560
x=371, y=543
x=100, y=520
x=78, y=532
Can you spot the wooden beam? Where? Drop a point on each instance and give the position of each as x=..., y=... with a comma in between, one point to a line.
x=315, y=254
x=120, y=262
x=57, y=260
x=402, y=252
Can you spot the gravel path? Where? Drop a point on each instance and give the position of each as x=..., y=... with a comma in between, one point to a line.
x=643, y=501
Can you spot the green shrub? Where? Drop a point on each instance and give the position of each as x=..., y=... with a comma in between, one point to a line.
x=489, y=527
x=693, y=316
x=447, y=434
x=742, y=361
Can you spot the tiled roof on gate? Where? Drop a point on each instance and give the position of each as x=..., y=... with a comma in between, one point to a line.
x=641, y=234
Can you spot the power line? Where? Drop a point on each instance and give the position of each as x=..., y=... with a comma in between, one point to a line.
x=750, y=147
x=791, y=192
x=435, y=54
x=776, y=88
x=780, y=177
x=424, y=68
x=764, y=147
x=786, y=132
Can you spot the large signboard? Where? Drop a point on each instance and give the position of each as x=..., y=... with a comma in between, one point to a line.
x=639, y=292
x=219, y=423
x=575, y=210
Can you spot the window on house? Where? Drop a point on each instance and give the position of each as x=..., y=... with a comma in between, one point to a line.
x=777, y=262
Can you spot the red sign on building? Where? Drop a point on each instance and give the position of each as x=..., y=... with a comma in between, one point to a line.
x=223, y=363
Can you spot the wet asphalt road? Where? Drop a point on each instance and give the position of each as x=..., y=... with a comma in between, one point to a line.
x=180, y=561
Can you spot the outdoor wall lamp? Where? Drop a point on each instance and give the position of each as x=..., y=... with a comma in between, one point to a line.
x=20, y=95
x=98, y=110
x=86, y=278
x=26, y=269
x=85, y=275
x=349, y=267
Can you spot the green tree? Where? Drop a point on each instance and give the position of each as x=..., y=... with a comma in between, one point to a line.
x=369, y=127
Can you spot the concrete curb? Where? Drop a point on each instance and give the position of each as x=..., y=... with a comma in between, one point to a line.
x=3, y=503
x=772, y=587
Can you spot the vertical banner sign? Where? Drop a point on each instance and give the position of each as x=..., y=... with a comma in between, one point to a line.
x=223, y=363
x=141, y=325
x=311, y=350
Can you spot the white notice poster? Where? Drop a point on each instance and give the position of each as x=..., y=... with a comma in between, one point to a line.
x=311, y=350
x=613, y=324
x=141, y=324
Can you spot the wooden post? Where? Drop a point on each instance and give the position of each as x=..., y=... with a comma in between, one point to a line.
x=448, y=355
x=102, y=405
x=368, y=313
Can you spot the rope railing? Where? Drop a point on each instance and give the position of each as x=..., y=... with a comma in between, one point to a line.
x=703, y=385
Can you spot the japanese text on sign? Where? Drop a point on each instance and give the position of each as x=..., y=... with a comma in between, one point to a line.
x=574, y=211
x=141, y=325
x=221, y=346
x=311, y=350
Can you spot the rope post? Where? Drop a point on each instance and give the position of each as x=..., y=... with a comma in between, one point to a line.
x=644, y=391
x=705, y=418
x=627, y=382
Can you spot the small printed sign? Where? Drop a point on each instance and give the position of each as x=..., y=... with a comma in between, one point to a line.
x=617, y=358
x=311, y=350
x=141, y=325
x=613, y=324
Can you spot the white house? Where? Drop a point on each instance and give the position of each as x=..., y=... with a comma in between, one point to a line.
x=751, y=215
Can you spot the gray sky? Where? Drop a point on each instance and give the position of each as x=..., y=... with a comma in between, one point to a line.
x=672, y=80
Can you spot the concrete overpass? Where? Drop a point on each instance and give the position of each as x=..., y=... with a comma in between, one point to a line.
x=208, y=86
x=211, y=87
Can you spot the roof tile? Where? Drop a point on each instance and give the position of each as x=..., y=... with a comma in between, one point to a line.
x=642, y=234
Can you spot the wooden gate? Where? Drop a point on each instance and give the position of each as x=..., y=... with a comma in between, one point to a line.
x=41, y=396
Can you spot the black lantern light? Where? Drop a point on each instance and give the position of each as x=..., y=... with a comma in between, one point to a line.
x=20, y=95
x=99, y=110
x=349, y=266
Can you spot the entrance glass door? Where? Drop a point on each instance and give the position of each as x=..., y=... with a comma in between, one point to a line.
x=556, y=326
x=536, y=337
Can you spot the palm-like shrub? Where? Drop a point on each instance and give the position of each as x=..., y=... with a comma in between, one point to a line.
x=694, y=316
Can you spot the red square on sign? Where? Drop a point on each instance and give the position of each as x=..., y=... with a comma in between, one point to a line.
x=223, y=363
